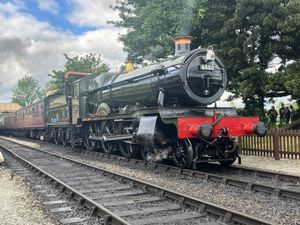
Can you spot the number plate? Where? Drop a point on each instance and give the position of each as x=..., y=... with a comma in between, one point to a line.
x=207, y=67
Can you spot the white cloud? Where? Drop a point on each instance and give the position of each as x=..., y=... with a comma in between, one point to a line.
x=32, y=47
x=48, y=5
x=9, y=7
x=92, y=13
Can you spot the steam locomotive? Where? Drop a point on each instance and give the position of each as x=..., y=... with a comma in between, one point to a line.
x=158, y=112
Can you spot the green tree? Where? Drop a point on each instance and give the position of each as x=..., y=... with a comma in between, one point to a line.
x=257, y=31
x=287, y=82
x=292, y=79
x=90, y=63
x=152, y=25
x=291, y=82
x=27, y=91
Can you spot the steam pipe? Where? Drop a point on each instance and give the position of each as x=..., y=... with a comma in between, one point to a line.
x=217, y=121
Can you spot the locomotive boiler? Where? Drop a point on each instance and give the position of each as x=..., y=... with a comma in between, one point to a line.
x=196, y=79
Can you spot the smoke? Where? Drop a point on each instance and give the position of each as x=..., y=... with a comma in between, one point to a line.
x=187, y=17
x=154, y=52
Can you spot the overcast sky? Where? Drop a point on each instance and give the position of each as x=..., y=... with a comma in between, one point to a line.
x=34, y=34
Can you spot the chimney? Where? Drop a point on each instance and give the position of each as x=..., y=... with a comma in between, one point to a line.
x=182, y=44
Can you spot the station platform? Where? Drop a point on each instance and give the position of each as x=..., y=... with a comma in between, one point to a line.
x=290, y=166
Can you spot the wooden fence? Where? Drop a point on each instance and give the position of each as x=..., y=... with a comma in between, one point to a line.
x=278, y=143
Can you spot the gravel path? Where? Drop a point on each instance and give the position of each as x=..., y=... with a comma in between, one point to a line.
x=18, y=204
x=261, y=205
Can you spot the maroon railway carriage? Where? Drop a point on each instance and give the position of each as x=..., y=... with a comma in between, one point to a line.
x=31, y=117
x=28, y=121
x=10, y=121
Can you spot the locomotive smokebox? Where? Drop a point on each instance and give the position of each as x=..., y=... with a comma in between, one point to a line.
x=182, y=44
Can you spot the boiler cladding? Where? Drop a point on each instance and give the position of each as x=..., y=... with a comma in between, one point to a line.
x=196, y=79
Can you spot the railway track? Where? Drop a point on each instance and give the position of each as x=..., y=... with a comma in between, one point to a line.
x=119, y=199
x=276, y=184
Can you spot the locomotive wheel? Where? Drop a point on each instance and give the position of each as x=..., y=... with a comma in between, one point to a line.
x=56, y=139
x=147, y=153
x=73, y=145
x=64, y=140
x=183, y=153
x=109, y=146
x=128, y=150
x=90, y=144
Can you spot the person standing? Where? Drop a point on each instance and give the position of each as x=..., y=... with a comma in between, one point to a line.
x=272, y=114
x=281, y=114
x=287, y=115
x=292, y=113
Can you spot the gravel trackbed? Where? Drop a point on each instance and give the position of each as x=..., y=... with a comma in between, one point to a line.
x=18, y=204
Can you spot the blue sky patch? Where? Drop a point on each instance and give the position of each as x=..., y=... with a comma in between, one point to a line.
x=57, y=19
